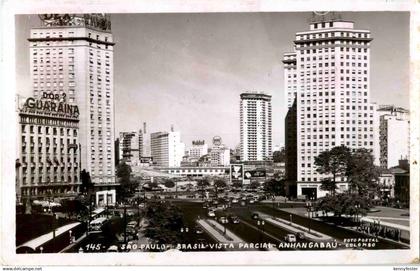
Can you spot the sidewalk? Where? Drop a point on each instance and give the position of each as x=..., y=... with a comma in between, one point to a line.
x=293, y=227
x=70, y=246
x=216, y=230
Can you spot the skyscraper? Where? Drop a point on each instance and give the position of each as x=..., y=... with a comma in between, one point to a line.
x=394, y=135
x=167, y=149
x=328, y=73
x=71, y=60
x=255, y=127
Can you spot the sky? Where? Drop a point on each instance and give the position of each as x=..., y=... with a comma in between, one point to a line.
x=188, y=70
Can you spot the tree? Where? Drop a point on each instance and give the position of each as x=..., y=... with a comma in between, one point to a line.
x=127, y=187
x=362, y=174
x=274, y=187
x=279, y=156
x=202, y=183
x=169, y=183
x=349, y=204
x=218, y=183
x=328, y=185
x=334, y=162
x=165, y=222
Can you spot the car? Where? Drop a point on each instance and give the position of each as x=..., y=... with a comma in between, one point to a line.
x=235, y=201
x=251, y=201
x=223, y=220
x=255, y=216
x=291, y=238
x=300, y=235
x=234, y=219
x=211, y=214
x=132, y=224
x=198, y=230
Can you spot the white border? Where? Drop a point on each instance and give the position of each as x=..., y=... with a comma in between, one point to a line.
x=8, y=124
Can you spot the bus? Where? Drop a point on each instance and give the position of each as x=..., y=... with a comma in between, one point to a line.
x=96, y=224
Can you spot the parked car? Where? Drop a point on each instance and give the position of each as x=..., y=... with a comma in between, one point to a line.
x=198, y=230
x=223, y=220
x=211, y=214
x=132, y=224
x=234, y=219
x=235, y=200
x=251, y=201
x=291, y=238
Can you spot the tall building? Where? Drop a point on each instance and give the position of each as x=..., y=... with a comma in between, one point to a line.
x=255, y=127
x=328, y=73
x=198, y=149
x=129, y=148
x=394, y=135
x=71, y=59
x=144, y=137
x=167, y=149
x=48, y=149
x=219, y=153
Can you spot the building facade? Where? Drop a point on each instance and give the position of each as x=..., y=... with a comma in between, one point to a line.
x=145, y=152
x=219, y=154
x=198, y=149
x=290, y=137
x=48, y=149
x=129, y=148
x=71, y=58
x=196, y=171
x=255, y=127
x=328, y=73
x=394, y=130
x=167, y=149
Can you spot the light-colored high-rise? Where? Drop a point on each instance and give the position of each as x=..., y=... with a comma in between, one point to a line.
x=394, y=135
x=167, y=149
x=71, y=59
x=255, y=127
x=328, y=73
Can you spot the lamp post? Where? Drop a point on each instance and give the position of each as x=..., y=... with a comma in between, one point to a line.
x=357, y=206
x=260, y=224
x=308, y=207
x=70, y=237
x=290, y=216
x=184, y=231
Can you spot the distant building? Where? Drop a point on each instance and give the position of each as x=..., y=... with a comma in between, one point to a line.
x=167, y=149
x=394, y=135
x=196, y=171
x=49, y=150
x=255, y=127
x=145, y=145
x=129, y=148
x=198, y=149
x=402, y=182
x=219, y=153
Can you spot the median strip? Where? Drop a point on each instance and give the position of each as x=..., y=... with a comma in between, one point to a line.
x=293, y=227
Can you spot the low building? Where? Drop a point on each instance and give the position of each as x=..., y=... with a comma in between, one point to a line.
x=195, y=171
x=402, y=182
